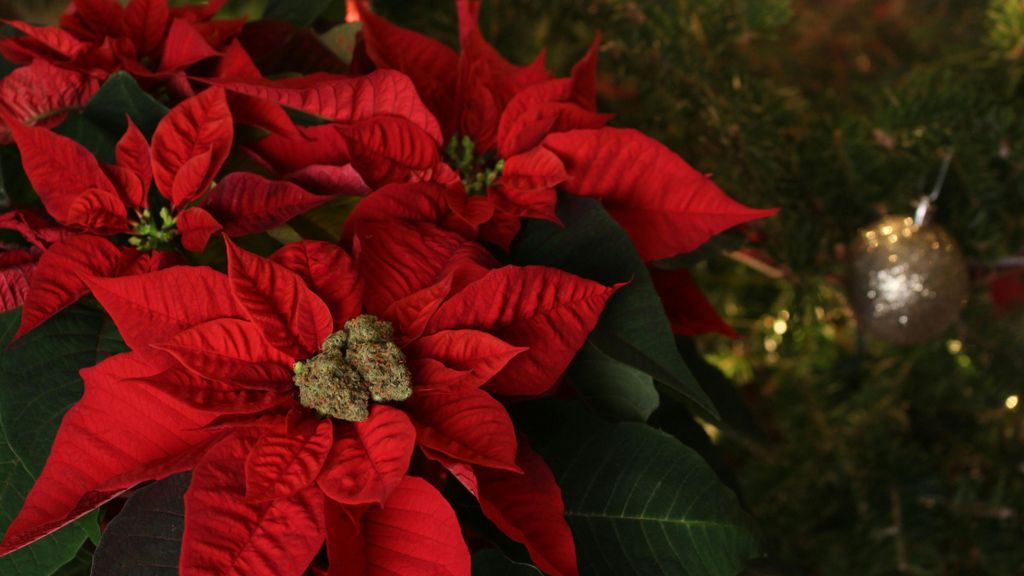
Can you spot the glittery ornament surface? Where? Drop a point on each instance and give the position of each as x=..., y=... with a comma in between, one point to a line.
x=908, y=283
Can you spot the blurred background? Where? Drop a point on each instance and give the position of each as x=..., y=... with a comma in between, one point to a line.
x=857, y=456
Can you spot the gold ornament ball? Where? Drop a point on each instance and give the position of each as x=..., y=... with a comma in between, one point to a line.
x=908, y=282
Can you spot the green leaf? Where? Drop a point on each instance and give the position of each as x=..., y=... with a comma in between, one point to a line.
x=493, y=563
x=301, y=13
x=144, y=539
x=613, y=389
x=633, y=329
x=121, y=95
x=639, y=501
x=40, y=382
x=95, y=137
x=80, y=565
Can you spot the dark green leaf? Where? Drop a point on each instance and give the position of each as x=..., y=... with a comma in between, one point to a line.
x=300, y=13
x=96, y=138
x=639, y=501
x=613, y=389
x=80, y=565
x=633, y=329
x=40, y=382
x=494, y=563
x=145, y=538
x=121, y=95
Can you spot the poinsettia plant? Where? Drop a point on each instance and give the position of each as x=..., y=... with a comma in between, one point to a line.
x=271, y=306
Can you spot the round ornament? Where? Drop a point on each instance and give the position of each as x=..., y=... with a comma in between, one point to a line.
x=908, y=281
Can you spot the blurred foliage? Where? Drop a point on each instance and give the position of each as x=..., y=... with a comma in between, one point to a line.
x=870, y=459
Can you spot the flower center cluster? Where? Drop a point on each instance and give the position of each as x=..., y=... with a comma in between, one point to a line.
x=478, y=172
x=147, y=234
x=355, y=365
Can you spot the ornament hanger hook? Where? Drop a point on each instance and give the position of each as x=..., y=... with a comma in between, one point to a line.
x=925, y=203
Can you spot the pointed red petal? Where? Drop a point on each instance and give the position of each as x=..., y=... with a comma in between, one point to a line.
x=465, y=424
x=666, y=206
x=132, y=153
x=547, y=310
x=369, y=458
x=197, y=125
x=412, y=202
x=231, y=351
x=196, y=226
x=16, y=268
x=246, y=203
x=432, y=66
x=284, y=462
x=184, y=46
x=688, y=309
x=414, y=533
x=57, y=281
x=411, y=314
x=386, y=144
x=146, y=24
x=329, y=272
x=584, y=77
x=60, y=169
x=116, y=436
x=345, y=99
x=151, y=308
x=41, y=93
x=291, y=317
x=227, y=535
x=40, y=42
x=191, y=180
x=209, y=395
x=477, y=354
x=399, y=259
x=98, y=210
x=94, y=19
x=527, y=185
x=528, y=508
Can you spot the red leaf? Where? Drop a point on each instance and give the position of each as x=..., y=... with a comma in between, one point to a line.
x=196, y=226
x=527, y=185
x=245, y=203
x=94, y=19
x=329, y=272
x=231, y=351
x=411, y=314
x=43, y=42
x=115, y=437
x=284, y=462
x=34, y=228
x=686, y=306
x=132, y=153
x=476, y=356
x=666, y=206
x=192, y=178
x=395, y=142
x=226, y=535
x=60, y=169
x=100, y=211
x=41, y=94
x=291, y=317
x=540, y=110
x=58, y=278
x=16, y=268
x=208, y=395
x=317, y=145
x=413, y=203
x=331, y=180
x=400, y=259
x=415, y=532
x=528, y=508
x=370, y=458
x=550, y=311
x=345, y=99
x=432, y=66
x=584, y=77
x=465, y=424
x=152, y=308
x=198, y=125
x=184, y=47
x=146, y=24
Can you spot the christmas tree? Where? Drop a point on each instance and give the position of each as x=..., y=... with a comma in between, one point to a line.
x=855, y=456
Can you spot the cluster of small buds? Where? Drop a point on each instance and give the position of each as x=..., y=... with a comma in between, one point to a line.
x=147, y=234
x=477, y=171
x=356, y=365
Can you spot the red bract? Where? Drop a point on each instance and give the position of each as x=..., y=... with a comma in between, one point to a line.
x=239, y=377
x=515, y=135
x=146, y=38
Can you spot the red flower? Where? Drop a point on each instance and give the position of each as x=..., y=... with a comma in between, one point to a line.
x=296, y=389
x=515, y=135
x=146, y=38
